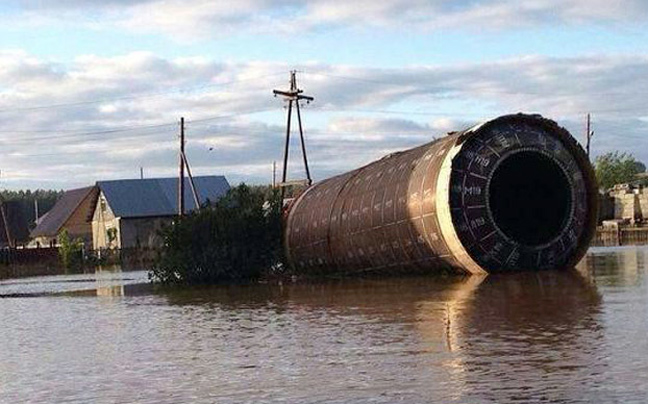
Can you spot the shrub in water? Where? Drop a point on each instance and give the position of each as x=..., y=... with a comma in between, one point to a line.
x=70, y=250
x=236, y=238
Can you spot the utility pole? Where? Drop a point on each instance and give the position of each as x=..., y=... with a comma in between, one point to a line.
x=192, y=184
x=36, y=213
x=274, y=174
x=141, y=173
x=181, y=208
x=184, y=163
x=589, y=133
x=5, y=220
x=293, y=96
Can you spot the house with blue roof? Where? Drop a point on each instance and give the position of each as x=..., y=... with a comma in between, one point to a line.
x=130, y=213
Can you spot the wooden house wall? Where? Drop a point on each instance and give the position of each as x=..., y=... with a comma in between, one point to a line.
x=77, y=224
x=103, y=220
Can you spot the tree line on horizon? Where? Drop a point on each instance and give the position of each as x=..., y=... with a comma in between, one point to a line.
x=24, y=201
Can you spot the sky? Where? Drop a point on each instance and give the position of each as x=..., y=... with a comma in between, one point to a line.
x=94, y=89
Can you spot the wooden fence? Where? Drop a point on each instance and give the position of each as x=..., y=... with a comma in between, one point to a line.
x=29, y=256
x=607, y=237
x=21, y=262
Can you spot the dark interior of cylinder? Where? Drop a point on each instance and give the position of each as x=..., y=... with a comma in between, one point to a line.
x=530, y=198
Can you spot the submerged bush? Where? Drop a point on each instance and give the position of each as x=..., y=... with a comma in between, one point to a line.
x=234, y=239
x=70, y=250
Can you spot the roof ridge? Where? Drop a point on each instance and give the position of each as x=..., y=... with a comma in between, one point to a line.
x=158, y=178
x=69, y=212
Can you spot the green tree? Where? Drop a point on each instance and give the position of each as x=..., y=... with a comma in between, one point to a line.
x=25, y=198
x=616, y=168
x=69, y=250
x=237, y=238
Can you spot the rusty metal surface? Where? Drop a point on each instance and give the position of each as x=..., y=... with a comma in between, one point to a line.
x=384, y=216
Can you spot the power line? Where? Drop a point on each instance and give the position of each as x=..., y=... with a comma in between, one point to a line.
x=453, y=114
x=203, y=121
x=89, y=134
x=68, y=134
x=432, y=133
x=18, y=154
x=75, y=132
x=196, y=121
x=129, y=128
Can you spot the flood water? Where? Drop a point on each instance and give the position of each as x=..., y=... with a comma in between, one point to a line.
x=571, y=336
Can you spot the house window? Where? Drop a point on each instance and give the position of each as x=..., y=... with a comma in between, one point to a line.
x=111, y=234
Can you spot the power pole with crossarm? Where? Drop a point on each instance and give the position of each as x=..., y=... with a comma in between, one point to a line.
x=293, y=96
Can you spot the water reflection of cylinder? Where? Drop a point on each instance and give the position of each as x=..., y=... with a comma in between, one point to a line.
x=536, y=337
x=516, y=192
x=543, y=336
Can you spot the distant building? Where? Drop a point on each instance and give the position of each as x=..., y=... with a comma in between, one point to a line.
x=625, y=203
x=130, y=213
x=73, y=212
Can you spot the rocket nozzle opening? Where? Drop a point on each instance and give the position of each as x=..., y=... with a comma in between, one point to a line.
x=530, y=198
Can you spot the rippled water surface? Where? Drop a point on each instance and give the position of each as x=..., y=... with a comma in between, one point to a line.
x=576, y=336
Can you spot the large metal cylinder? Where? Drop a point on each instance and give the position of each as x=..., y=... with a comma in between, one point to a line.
x=514, y=193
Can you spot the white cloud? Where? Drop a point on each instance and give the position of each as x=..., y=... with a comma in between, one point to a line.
x=358, y=114
x=187, y=19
